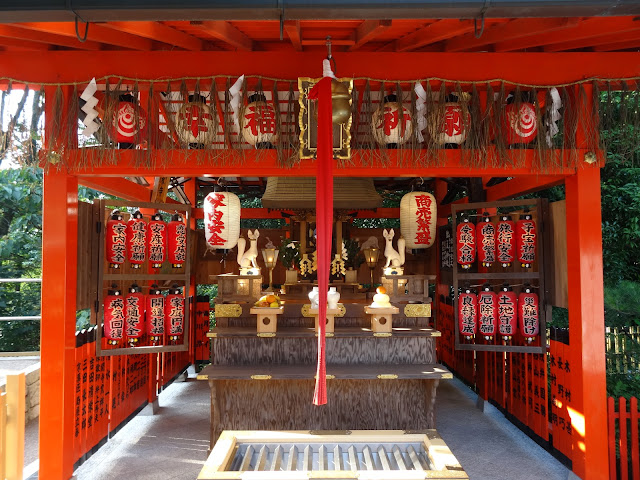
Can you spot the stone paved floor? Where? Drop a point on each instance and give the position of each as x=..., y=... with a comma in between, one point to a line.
x=173, y=444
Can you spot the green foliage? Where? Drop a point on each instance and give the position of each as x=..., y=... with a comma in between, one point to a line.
x=355, y=258
x=289, y=253
x=20, y=256
x=622, y=304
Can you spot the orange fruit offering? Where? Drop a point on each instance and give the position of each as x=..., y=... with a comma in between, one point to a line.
x=271, y=298
x=381, y=290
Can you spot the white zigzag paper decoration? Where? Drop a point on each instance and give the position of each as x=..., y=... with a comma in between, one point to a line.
x=90, y=122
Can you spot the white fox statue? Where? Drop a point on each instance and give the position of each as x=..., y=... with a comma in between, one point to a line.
x=394, y=258
x=248, y=259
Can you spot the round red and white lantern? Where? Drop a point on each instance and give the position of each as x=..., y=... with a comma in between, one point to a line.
x=468, y=313
x=177, y=233
x=487, y=312
x=528, y=313
x=526, y=240
x=521, y=125
x=466, y=243
x=507, y=312
x=195, y=125
x=136, y=239
x=157, y=240
x=124, y=129
x=134, y=315
x=418, y=216
x=116, y=240
x=259, y=126
x=450, y=124
x=505, y=238
x=114, y=316
x=222, y=220
x=486, y=238
x=174, y=314
x=155, y=315
x=391, y=123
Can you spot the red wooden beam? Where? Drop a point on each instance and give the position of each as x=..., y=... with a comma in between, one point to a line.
x=367, y=31
x=608, y=39
x=514, y=29
x=436, y=32
x=57, y=66
x=292, y=28
x=19, y=44
x=121, y=188
x=97, y=33
x=522, y=186
x=195, y=163
x=159, y=32
x=18, y=33
x=225, y=32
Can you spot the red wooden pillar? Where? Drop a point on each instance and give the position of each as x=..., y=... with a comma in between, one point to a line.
x=586, y=324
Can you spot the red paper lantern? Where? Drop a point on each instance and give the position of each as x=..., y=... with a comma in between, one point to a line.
x=134, y=315
x=528, y=313
x=526, y=240
x=505, y=237
x=468, y=313
x=136, y=239
x=124, y=129
x=174, y=314
x=114, y=316
x=177, y=233
x=507, y=311
x=466, y=243
x=486, y=238
x=259, y=122
x=521, y=125
x=157, y=240
x=391, y=126
x=487, y=312
x=116, y=236
x=155, y=315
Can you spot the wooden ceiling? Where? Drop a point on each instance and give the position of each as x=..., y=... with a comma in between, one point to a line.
x=599, y=34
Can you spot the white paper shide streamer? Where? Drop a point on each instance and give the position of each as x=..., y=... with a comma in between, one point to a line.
x=235, y=93
x=421, y=109
x=89, y=108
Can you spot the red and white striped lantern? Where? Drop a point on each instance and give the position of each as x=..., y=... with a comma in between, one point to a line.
x=136, y=239
x=114, y=316
x=486, y=238
x=116, y=239
x=391, y=126
x=505, y=238
x=487, y=312
x=124, y=129
x=466, y=243
x=521, y=126
x=155, y=315
x=174, y=314
x=157, y=240
x=134, y=315
x=177, y=233
x=468, y=313
x=526, y=240
x=222, y=220
x=507, y=312
x=418, y=216
x=528, y=313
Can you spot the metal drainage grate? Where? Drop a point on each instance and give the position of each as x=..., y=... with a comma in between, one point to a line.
x=340, y=456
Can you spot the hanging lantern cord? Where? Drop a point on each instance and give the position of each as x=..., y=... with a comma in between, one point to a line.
x=86, y=26
x=329, y=56
x=484, y=9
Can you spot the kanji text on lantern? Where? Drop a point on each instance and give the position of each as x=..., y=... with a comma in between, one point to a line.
x=260, y=119
x=423, y=219
x=215, y=223
x=391, y=119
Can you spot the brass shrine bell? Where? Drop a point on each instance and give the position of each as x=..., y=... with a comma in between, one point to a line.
x=340, y=103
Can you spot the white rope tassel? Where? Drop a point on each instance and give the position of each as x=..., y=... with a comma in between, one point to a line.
x=326, y=69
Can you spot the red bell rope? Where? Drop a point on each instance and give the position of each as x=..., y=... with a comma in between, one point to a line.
x=324, y=222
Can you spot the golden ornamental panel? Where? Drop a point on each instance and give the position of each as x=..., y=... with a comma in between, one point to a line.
x=229, y=310
x=305, y=311
x=417, y=310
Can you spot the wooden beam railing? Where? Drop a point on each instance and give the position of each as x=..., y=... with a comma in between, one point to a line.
x=12, y=408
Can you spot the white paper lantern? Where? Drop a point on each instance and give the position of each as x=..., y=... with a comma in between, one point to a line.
x=222, y=220
x=418, y=215
x=389, y=126
x=450, y=123
x=195, y=123
x=259, y=122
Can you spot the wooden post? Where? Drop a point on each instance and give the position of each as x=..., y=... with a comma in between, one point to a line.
x=58, y=325
x=13, y=459
x=586, y=324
